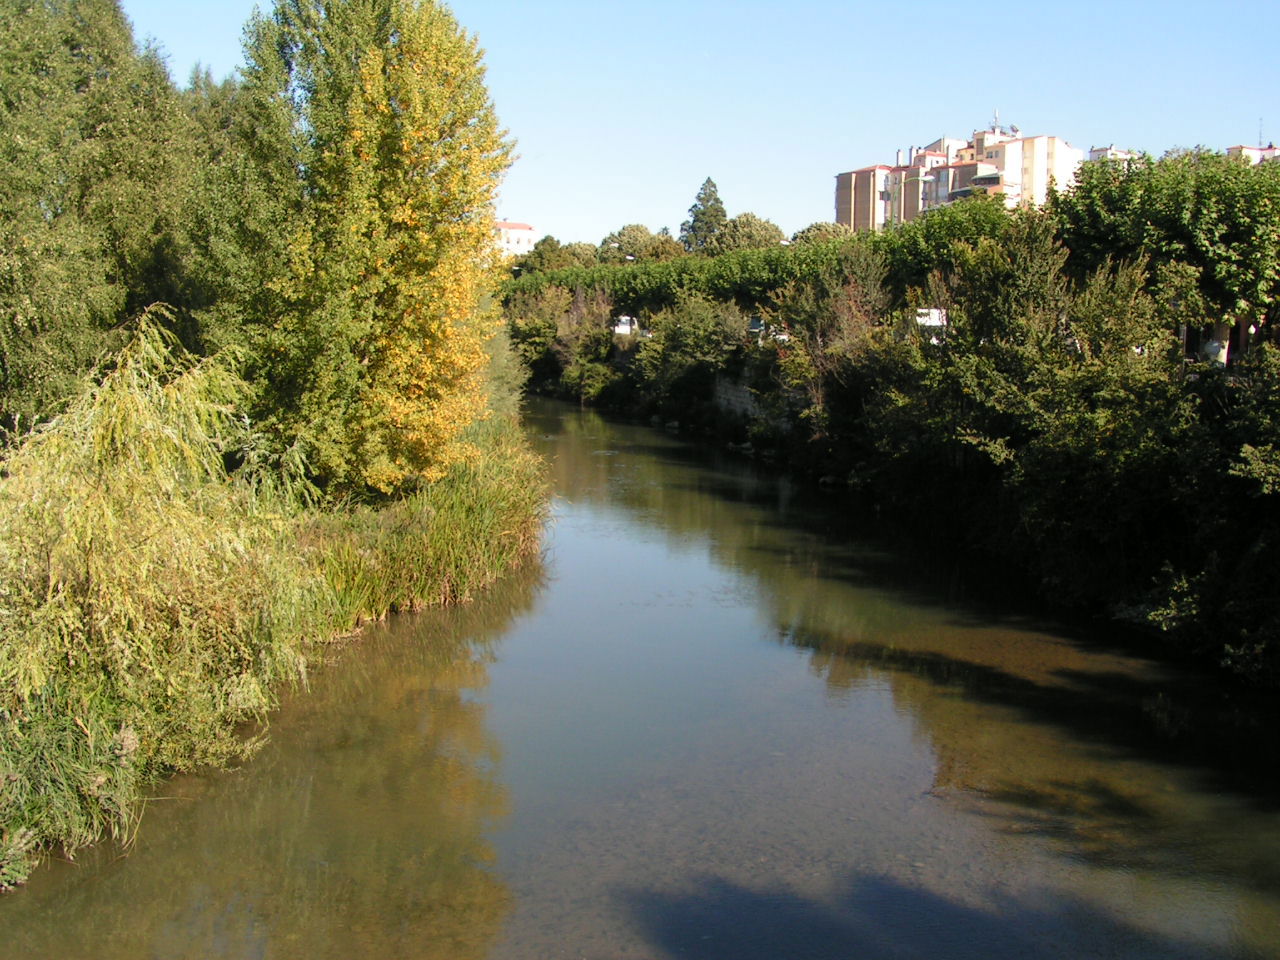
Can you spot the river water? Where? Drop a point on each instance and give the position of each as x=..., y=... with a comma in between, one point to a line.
x=713, y=723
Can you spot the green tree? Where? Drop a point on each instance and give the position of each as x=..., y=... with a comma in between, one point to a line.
x=746, y=231
x=626, y=244
x=830, y=316
x=707, y=218
x=584, y=345
x=635, y=243
x=580, y=254
x=95, y=162
x=690, y=342
x=917, y=249
x=388, y=153
x=821, y=232
x=663, y=246
x=550, y=254
x=534, y=318
x=136, y=167
x=1214, y=214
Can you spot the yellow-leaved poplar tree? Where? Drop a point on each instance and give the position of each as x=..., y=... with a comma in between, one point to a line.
x=380, y=360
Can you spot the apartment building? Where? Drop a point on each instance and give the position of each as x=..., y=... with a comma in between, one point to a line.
x=1256, y=155
x=996, y=160
x=860, y=197
x=513, y=238
x=1111, y=152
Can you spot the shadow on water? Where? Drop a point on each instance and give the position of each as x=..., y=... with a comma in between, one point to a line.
x=877, y=918
x=856, y=544
x=1065, y=734
x=1082, y=803
x=1154, y=719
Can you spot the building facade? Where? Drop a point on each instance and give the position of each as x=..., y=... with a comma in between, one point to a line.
x=859, y=197
x=1255, y=155
x=996, y=160
x=513, y=239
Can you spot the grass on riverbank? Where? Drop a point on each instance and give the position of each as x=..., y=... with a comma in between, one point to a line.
x=150, y=603
x=438, y=546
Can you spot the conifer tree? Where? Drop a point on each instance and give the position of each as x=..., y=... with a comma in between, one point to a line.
x=706, y=219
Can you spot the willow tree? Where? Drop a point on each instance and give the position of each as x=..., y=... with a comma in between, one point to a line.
x=375, y=366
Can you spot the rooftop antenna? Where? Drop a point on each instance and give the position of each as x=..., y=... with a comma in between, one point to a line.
x=995, y=120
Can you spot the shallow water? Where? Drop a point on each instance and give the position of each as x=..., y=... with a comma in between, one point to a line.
x=714, y=723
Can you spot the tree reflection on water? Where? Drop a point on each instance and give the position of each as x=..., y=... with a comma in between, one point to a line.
x=360, y=830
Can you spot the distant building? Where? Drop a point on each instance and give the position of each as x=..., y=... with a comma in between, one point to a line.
x=514, y=239
x=996, y=160
x=1111, y=152
x=1255, y=155
x=859, y=197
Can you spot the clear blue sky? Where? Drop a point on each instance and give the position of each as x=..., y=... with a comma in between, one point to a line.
x=621, y=110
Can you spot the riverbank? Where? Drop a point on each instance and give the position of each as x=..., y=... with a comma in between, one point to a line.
x=153, y=601
x=963, y=374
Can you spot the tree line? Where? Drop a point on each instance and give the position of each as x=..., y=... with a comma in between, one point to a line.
x=709, y=231
x=1084, y=393
x=328, y=212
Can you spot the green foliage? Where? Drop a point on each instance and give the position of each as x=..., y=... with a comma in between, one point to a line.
x=749, y=278
x=707, y=218
x=663, y=246
x=1052, y=423
x=926, y=244
x=830, y=316
x=564, y=338
x=374, y=135
x=152, y=603
x=480, y=520
x=584, y=345
x=323, y=230
x=549, y=254
x=533, y=318
x=95, y=163
x=626, y=244
x=821, y=232
x=1005, y=289
x=689, y=343
x=746, y=231
x=1107, y=423
x=1214, y=215
x=636, y=242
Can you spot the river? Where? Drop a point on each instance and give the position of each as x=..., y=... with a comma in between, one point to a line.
x=715, y=722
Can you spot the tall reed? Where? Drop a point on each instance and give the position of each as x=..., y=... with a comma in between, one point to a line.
x=440, y=545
